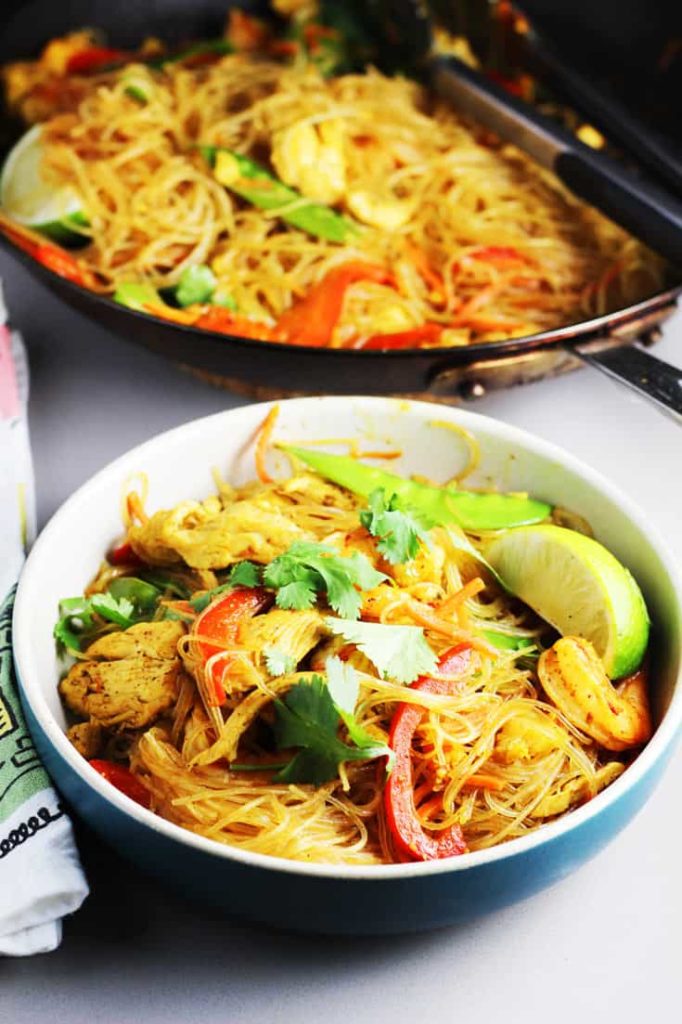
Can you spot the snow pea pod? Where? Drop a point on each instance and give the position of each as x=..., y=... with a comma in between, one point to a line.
x=507, y=641
x=442, y=505
x=257, y=186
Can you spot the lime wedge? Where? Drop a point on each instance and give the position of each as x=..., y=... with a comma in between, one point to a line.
x=578, y=587
x=29, y=199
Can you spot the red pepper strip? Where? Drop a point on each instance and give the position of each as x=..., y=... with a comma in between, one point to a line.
x=50, y=256
x=61, y=263
x=511, y=85
x=94, y=59
x=312, y=320
x=222, y=320
x=405, y=339
x=124, y=780
x=221, y=622
x=124, y=555
x=409, y=837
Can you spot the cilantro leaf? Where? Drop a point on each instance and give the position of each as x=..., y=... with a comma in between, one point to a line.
x=399, y=528
x=120, y=611
x=307, y=568
x=243, y=574
x=277, y=662
x=65, y=636
x=78, y=617
x=309, y=718
x=297, y=595
x=400, y=653
x=343, y=684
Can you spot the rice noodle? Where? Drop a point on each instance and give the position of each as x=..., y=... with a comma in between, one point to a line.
x=512, y=253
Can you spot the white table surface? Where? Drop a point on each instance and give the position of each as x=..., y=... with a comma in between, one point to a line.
x=608, y=940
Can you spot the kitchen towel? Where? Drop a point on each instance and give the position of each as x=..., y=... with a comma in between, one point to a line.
x=41, y=878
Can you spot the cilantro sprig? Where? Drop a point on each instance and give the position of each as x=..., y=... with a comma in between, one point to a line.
x=399, y=528
x=300, y=575
x=400, y=653
x=126, y=601
x=308, y=569
x=309, y=717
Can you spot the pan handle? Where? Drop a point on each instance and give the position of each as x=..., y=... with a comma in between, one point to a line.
x=638, y=370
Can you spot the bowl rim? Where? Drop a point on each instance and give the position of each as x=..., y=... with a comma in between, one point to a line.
x=663, y=739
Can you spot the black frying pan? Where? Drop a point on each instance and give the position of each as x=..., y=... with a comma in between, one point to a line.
x=260, y=368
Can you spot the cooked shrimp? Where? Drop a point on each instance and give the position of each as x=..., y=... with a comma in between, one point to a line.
x=574, y=679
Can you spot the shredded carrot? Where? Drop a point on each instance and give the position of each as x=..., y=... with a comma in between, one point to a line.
x=500, y=256
x=478, y=300
x=181, y=607
x=378, y=455
x=605, y=279
x=176, y=316
x=425, y=616
x=470, y=589
x=264, y=436
x=483, y=781
x=136, y=508
x=431, y=277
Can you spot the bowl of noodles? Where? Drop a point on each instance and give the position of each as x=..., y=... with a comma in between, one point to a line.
x=341, y=666
x=268, y=188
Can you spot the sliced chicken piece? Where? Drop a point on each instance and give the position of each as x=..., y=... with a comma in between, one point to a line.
x=206, y=538
x=138, y=681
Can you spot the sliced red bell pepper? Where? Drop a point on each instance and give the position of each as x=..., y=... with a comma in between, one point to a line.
x=123, y=554
x=124, y=780
x=61, y=263
x=93, y=59
x=50, y=256
x=224, y=321
x=312, y=320
x=410, y=840
x=416, y=336
x=515, y=86
x=221, y=622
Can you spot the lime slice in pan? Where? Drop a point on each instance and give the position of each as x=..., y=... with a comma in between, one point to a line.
x=28, y=198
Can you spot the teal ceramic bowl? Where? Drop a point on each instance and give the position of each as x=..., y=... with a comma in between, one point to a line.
x=314, y=897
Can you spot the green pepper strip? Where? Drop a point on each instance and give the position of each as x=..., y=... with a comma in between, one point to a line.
x=269, y=193
x=442, y=505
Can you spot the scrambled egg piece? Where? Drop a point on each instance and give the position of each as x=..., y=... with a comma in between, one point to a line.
x=523, y=738
x=129, y=679
x=207, y=536
x=311, y=158
x=378, y=210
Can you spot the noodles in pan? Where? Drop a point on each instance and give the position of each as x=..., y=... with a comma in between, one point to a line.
x=254, y=195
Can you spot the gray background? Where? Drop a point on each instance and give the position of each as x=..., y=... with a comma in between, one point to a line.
x=604, y=944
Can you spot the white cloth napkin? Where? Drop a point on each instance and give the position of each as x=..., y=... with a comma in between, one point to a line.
x=41, y=878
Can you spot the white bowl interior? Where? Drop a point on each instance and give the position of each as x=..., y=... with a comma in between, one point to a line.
x=179, y=465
